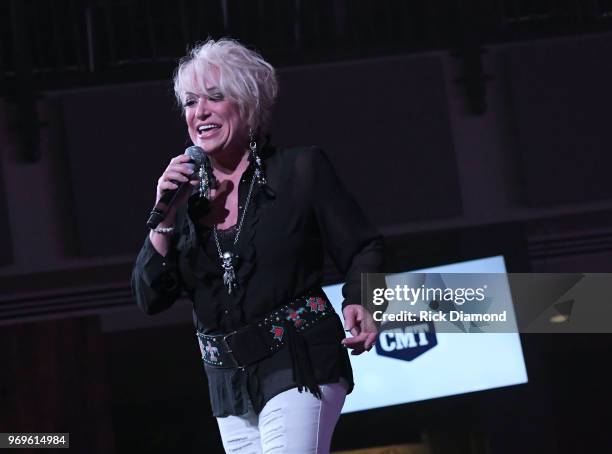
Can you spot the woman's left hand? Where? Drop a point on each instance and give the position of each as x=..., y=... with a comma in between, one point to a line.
x=362, y=327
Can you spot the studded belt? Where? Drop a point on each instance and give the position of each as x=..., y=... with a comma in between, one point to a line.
x=265, y=337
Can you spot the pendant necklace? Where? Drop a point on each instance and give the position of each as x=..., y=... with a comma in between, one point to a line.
x=228, y=258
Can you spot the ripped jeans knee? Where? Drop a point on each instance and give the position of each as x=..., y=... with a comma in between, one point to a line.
x=290, y=422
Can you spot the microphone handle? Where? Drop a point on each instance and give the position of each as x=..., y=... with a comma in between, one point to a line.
x=161, y=208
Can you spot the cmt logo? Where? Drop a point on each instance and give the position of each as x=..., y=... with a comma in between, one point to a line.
x=404, y=341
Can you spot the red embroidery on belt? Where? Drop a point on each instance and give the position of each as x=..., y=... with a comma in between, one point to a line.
x=316, y=304
x=278, y=332
x=294, y=316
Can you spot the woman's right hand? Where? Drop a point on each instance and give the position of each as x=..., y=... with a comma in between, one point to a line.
x=179, y=170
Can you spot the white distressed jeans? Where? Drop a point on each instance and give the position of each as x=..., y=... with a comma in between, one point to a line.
x=291, y=422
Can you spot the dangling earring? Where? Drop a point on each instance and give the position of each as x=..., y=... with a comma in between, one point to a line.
x=207, y=178
x=259, y=172
x=199, y=203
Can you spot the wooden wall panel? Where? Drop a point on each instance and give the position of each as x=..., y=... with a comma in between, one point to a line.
x=6, y=247
x=54, y=379
x=562, y=99
x=385, y=126
x=118, y=140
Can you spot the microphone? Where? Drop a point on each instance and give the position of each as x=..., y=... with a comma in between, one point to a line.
x=161, y=208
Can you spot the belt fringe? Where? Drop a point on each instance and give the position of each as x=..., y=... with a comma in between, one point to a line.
x=303, y=372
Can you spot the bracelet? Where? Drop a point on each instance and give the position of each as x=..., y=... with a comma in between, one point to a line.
x=163, y=230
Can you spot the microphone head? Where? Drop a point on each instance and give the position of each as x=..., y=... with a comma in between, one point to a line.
x=196, y=154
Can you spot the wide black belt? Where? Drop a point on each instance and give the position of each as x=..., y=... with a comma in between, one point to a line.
x=258, y=340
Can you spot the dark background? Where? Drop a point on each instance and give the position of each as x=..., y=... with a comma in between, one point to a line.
x=463, y=128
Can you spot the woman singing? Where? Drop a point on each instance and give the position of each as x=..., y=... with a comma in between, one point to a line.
x=246, y=244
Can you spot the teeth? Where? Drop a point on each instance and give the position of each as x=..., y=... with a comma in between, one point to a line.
x=207, y=127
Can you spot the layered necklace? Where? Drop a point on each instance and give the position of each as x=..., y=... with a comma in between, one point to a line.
x=228, y=258
x=207, y=181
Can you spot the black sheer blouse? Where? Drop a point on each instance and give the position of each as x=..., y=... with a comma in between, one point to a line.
x=303, y=211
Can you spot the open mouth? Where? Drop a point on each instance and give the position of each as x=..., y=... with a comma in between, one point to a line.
x=205, y=128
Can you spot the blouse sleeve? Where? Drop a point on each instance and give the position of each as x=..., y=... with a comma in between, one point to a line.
x=352, y=242
x=156, y=282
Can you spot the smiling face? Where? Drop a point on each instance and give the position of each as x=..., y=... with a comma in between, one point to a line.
x=214, y=122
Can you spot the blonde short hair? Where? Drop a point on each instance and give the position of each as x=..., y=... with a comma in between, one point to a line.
x=244, y=77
